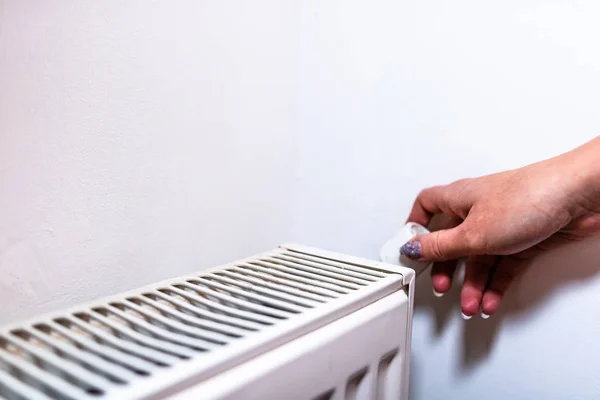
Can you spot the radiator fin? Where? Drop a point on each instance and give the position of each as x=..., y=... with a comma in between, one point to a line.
x=95, y=350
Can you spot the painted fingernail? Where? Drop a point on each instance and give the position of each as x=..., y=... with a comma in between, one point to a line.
x=484, y=315
x=411, y=250
x=466, y=317
x=437, y=294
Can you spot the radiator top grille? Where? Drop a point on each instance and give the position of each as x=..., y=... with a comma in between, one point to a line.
x=127, y=344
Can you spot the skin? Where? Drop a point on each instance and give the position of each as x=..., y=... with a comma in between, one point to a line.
x=500, y=222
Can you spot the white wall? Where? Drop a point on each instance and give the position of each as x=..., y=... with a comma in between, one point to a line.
x=142, y=140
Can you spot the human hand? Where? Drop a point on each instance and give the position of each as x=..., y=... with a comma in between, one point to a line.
x=500, y=222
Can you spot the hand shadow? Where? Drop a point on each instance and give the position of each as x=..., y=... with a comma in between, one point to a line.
x=544, y=276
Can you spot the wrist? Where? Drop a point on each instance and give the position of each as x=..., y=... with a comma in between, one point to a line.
x=582, y=171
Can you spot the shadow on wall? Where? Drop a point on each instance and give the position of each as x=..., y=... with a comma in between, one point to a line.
x=543, y=277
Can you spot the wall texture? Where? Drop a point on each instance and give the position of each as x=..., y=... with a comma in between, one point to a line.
x=143, y=140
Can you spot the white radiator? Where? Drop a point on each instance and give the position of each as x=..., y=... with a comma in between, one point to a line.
x=292, y=323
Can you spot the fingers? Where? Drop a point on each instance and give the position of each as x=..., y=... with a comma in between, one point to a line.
x=429, y=202
x=454, y=200
x=441, y=276
x=446, y=244
x=443, y=245
x=477, y=273
x=443, y=272
x=487, y=278
x=500, y=281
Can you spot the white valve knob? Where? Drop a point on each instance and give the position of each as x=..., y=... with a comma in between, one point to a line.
x=390, y=251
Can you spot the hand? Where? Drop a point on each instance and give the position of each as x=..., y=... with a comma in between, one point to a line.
x=500, y=222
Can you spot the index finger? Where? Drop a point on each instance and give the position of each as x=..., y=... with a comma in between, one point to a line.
x=429, y=202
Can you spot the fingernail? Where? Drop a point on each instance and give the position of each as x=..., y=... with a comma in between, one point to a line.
x=411, y=250
x=436, y=293
x=466, y=317
x=484, y=315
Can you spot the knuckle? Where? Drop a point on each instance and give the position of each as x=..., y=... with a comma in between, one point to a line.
x=462, y=182
x=476, y=241
x=437, y=249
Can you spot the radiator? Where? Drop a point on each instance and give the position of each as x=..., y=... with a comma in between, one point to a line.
x=292, y=323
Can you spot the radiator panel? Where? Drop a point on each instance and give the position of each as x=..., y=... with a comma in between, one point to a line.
x=157, y=340
x=360, y=356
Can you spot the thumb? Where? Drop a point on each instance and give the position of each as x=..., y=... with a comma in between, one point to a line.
x=446, y=244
